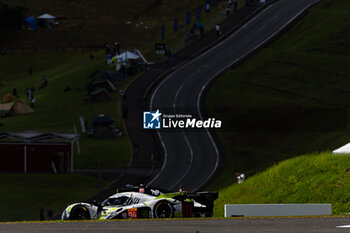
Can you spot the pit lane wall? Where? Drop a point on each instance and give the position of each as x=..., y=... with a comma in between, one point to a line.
x=260, y=210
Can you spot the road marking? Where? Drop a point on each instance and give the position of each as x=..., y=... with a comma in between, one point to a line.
x=208, y=81
x=186, y=138
x=345, y=226
x=181, y=68
x=226, y=67
x=176, y=71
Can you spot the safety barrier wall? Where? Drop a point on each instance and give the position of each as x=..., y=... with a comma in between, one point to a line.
x=257, y=210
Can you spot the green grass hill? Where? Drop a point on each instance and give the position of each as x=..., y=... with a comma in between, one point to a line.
x=312, y=178
x=62, y=54
x=294, y=94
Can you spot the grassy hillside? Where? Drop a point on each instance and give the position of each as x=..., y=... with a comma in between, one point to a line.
x=87, y=24
x=26, y=194
x=312, y=178
x=58, y=111
x=290, y=98
x=96, y=23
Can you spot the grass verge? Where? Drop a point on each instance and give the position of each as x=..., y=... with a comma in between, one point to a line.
x=311, y=178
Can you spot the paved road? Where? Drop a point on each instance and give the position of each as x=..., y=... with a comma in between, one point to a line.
x=318, y=225
x=191, y=158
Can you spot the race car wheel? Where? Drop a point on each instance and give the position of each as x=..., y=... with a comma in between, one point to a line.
x=79, y=212
x=163, y=209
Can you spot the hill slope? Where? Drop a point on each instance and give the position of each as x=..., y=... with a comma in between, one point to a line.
x=312, y=178
x=290, y=98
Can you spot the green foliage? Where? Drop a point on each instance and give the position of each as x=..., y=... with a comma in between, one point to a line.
x=311, y=178
x=306, y=68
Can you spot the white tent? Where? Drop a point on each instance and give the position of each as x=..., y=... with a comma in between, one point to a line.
x=46, y=16
x=127, y=55
x=343, y=150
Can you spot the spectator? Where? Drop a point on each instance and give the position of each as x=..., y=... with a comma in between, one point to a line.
x=228, y=10
x=217, y=29
x=86, y=124
x=29, y=94
x=207, y=7
x=44, y=84
x=32, y=100
x=235, y=5
x=117, y=47
x=240, y=178
x=45, y=80
x=14, y=92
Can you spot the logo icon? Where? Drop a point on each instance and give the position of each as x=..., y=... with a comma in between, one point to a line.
x=151, y=120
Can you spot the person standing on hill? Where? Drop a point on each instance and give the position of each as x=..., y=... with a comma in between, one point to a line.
x=32, y=100
x=29, y=94
x=217, y=29
x=117, y=47
x=14, y=92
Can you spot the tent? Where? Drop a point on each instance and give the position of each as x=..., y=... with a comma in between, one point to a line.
x=343, y=150
x=101, y=95
x=101, y=83
x=112, y=76
x=102, y=127
x=47, y=20
x=127, y=55
x=46, y=16
x=31, y=22
x=15, y=108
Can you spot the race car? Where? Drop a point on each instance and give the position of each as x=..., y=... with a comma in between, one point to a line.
x=144, y=202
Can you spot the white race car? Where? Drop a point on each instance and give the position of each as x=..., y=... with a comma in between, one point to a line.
x=142, y=202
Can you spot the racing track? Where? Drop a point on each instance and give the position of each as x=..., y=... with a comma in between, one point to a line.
x=191, y=158
x=295, y=225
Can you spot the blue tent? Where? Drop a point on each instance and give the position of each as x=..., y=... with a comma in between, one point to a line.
x=32, y=22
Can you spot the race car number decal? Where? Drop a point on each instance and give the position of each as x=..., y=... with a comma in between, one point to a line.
x=132, y=213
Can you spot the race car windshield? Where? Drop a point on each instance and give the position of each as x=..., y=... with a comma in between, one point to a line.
x=115, y=201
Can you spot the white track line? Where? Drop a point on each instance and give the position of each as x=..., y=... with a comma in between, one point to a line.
x=209, y=80
x=206, y=84
x=172, y=74
x=344, y=226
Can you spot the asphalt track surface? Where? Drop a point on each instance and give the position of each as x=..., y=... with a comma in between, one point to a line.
x=191, y=158
x=296, y=225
